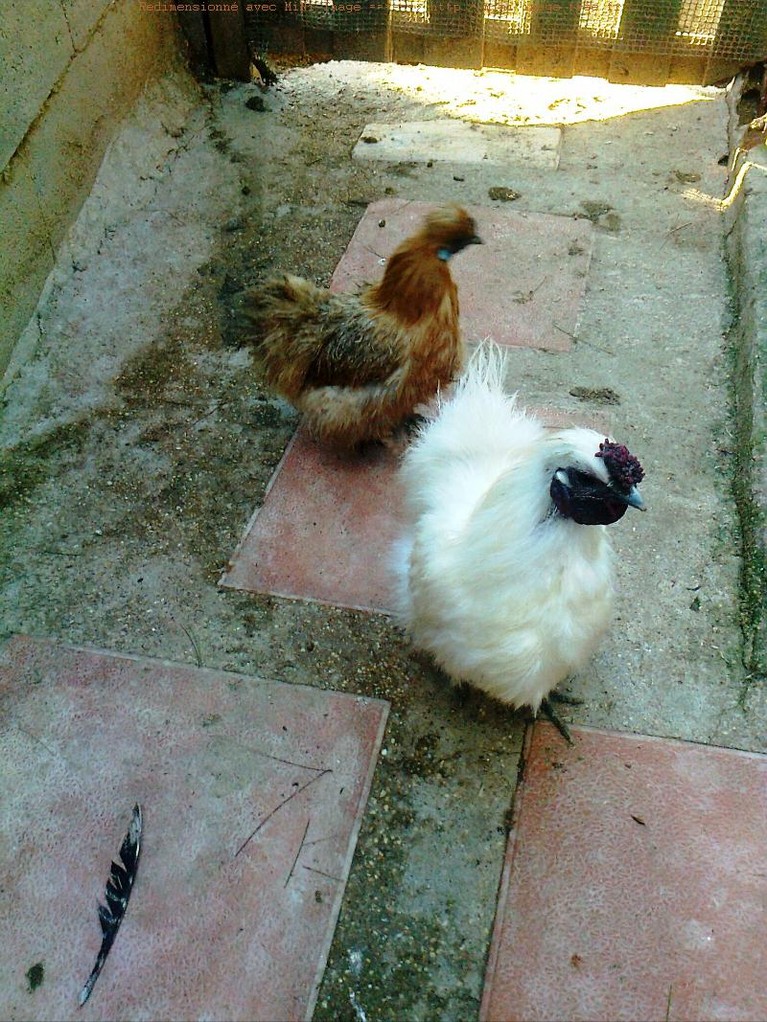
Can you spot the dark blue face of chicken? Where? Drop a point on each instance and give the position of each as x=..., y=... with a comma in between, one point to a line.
x=458, y=244
x=587, y=500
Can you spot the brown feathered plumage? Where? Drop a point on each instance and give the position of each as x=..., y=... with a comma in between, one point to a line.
x=357, y=365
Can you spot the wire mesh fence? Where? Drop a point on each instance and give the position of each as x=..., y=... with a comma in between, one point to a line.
x=694, y=40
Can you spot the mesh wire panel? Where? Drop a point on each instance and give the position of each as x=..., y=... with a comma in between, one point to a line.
x=599, y=21
x=507, y=19
x=733, y=30
x=698, y=21
x=318, y=14
x=410, y=16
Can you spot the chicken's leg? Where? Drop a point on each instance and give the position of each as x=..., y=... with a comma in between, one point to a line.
x=562, y=697
x=556, y=720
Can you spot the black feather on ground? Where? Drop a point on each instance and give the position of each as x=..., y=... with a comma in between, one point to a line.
x=118, y=891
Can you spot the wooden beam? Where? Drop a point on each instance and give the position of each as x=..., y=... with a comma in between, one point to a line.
x=231, y=58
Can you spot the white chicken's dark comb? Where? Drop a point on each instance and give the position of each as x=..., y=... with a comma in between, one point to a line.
x=623, y=466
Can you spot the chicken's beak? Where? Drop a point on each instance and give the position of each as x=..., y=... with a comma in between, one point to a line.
x=634, y=499
x=475, y=240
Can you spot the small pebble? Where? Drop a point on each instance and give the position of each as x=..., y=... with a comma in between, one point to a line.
x=255, y=103
x=382, y=223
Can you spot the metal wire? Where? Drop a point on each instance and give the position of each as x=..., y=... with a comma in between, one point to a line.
x=734, y=30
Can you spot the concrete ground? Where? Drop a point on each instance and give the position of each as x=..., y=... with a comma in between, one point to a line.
x=136, y=444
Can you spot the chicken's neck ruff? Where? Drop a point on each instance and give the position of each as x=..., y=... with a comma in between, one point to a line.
x=414, y=286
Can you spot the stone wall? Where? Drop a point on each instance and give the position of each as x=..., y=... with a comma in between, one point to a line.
x=70, y=70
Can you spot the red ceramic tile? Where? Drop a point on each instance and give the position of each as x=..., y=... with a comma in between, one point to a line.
x=325, y=530
x=218, y=926
x=327, y=526
x=522, y=287
x=635, y=884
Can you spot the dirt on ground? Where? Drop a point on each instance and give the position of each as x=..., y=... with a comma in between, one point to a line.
x=136, y=443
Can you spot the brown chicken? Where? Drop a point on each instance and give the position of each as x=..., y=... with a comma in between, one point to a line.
x=357, y=365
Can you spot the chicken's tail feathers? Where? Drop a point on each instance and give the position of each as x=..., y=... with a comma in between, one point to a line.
x=280, y=295
x=478, y=410
x=486, y=369
x=478, y=431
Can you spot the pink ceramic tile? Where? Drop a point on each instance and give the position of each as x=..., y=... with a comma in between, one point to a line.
x=635, y=884
x=522, y=287
x=325, y=530
x=252, y=793
x=327, y=526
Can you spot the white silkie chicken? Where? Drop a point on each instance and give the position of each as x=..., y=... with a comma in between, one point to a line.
x=506, y=571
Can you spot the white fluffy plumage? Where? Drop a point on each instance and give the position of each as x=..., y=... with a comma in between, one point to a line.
x=505, y=592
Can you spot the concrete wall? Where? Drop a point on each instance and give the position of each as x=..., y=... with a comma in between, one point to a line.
x=69, y=72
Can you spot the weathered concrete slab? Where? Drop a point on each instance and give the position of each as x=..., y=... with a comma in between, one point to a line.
x=459, y=142
x=35, y=48
x=66, y=88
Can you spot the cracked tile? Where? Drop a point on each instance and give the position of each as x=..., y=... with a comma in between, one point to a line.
x=252, y=793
